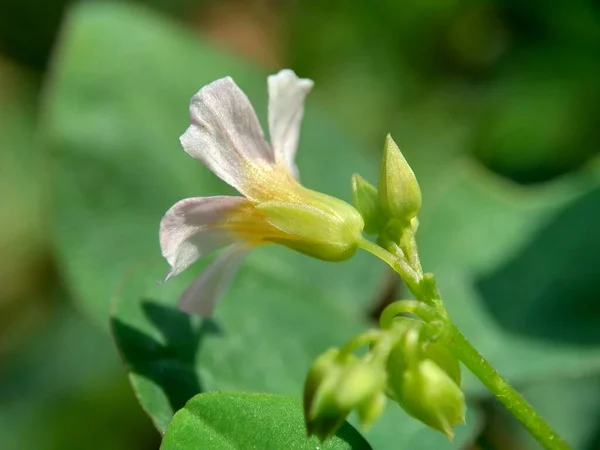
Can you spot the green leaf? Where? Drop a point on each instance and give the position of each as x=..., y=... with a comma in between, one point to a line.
x=116, y=105
x=257, y=341
x=223, y=420
x=515, y=269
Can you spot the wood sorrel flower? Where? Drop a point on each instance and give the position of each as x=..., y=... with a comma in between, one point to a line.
x=226, y=137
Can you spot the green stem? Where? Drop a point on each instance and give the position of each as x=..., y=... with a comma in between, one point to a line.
x=504, y=392
x=400, y=266
x=414, y=307
x=366, y=338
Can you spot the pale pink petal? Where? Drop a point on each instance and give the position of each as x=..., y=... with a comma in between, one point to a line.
x=225, y=134
x=208, y=288
x=190, y=229
x=286, y=107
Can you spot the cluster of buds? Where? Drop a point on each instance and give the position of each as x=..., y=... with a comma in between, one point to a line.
x=403, y=364
x=424, y=378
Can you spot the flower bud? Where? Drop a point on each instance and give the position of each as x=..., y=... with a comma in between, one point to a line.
x=321, y=416
x=366, y=200
x=399, y=191
x=320, y=226
x=424, y=378
x=335, y=386
x=427, y=393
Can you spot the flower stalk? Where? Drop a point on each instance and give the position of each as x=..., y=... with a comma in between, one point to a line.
x=520, y=408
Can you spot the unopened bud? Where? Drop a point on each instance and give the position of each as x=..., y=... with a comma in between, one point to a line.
x=424, y=378
x=321, y=417
x=399, y=191
x=366, y=200
x=337, y=385
x=427, y=393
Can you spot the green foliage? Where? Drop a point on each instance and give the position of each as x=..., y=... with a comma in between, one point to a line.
x=224, y=420
x=173, y=356
x=516, y=80
x=515, y=266
x=53, y=386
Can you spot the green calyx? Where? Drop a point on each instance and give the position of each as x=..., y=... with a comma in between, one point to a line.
x=322, y=226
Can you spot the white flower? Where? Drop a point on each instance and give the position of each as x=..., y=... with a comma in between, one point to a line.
x=226, y=137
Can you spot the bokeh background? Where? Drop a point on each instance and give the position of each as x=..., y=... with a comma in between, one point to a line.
x=496, y=104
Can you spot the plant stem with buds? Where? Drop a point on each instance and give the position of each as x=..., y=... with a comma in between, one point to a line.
x=423, y=288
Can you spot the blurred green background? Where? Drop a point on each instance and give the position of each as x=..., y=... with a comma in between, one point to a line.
x=496, y=104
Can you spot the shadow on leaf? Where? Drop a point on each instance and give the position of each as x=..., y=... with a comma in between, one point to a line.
x=168, y=362
x=551, y=288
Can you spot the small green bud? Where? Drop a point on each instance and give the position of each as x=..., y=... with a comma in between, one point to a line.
x=399, y=191
x=424, y=378
x=366, y=200
x=336, y=385
x=427, y=393
x=321, y=417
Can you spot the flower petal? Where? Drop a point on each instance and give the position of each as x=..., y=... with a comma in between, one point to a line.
x=208, y=288
x=190, y=229
x=286, y=107
x=225, y=134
